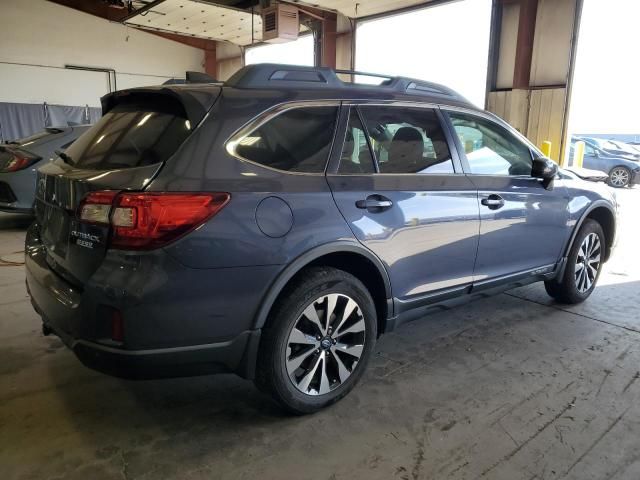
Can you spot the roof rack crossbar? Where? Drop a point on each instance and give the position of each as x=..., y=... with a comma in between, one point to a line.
x=364, y=74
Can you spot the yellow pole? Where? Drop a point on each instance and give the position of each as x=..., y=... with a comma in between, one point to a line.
x=578, y=154
x=546, y=148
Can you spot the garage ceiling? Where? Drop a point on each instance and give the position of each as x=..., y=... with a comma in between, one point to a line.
x=364, y=8
x=202, y=20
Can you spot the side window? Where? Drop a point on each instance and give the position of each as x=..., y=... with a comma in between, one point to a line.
x=490, y=148
x=407, y=140
x=356, y=157
x=589, y=150
x=297, y=140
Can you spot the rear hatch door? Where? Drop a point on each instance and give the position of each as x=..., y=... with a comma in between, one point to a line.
x=139, y=131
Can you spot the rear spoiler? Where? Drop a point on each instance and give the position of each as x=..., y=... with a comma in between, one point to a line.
x=194, y=100
x=193, y=77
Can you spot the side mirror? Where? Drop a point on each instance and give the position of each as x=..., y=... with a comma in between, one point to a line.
x=544, y=169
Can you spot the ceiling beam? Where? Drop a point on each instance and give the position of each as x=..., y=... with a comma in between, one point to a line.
x=141, y=10
x=95, y=7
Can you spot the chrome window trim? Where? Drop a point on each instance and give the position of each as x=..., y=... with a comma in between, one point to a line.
x=266, y=116
x=495, y=119
x=389, y=103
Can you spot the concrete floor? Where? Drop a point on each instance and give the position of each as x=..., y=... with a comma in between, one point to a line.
x=511, y=387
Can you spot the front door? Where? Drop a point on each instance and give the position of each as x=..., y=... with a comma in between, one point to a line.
x=398, y=187
x=523, y=226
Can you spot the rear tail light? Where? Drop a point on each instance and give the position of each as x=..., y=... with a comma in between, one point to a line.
x=144, y=221
x=14, y=159
x=96, y=206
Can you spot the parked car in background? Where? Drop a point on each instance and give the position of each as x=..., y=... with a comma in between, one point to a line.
x=625, y=147
x=278, y=225
x=20, y=159
x=622, y=171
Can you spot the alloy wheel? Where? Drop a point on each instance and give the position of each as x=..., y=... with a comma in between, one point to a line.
x=325, y=344
x=587, y=262
x=619, y=177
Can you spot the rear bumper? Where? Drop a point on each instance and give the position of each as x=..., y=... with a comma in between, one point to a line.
x=17, y=191
x=234, y=356
x=224, y=344
x=8, y=209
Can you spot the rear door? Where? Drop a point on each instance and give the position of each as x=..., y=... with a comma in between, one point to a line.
x=124, y=150
x=404, y=196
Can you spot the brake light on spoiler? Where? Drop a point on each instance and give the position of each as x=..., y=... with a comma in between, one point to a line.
x=149, y=220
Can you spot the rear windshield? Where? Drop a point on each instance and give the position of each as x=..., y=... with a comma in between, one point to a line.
x=129, y=136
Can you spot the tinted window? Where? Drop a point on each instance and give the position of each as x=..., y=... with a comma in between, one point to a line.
x=297, y=140
x=407, y=140
x=356, y=157
x=130, y=136
x=490, y=148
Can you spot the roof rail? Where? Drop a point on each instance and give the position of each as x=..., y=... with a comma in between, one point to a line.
x=270, y=75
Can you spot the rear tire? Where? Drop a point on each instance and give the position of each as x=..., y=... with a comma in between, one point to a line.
x=584, y=264
x=619, y=177
x=306, y=362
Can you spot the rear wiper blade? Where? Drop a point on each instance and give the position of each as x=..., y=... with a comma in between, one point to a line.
x=64, y=156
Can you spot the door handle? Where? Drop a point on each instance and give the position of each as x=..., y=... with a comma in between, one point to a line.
x=375, y=203
x=493, y=201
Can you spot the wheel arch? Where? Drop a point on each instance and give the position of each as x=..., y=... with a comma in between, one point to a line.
x=602, y=213
x=348, y=256
x=619, y=165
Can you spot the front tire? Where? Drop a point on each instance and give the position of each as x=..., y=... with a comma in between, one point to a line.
x=584, y=264
x=619, y=177
x=317, y=341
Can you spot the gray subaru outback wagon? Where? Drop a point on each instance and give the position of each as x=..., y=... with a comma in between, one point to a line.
x=277, y=224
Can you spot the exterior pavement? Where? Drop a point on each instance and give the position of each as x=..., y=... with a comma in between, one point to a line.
x=509, y=387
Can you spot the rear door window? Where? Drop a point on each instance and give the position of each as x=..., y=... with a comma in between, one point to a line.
x=131, y=136
x=407, y=140
x=297, y=140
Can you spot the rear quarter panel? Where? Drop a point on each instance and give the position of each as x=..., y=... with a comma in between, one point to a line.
x=232, y=238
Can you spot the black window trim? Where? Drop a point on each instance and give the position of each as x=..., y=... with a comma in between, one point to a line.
x=266, y=116
x=449, y=139
x=348, y=109
x=533, y=150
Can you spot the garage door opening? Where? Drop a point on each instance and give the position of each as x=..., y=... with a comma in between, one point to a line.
x=447, y=44
x=604, y=98
x=298, y=52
